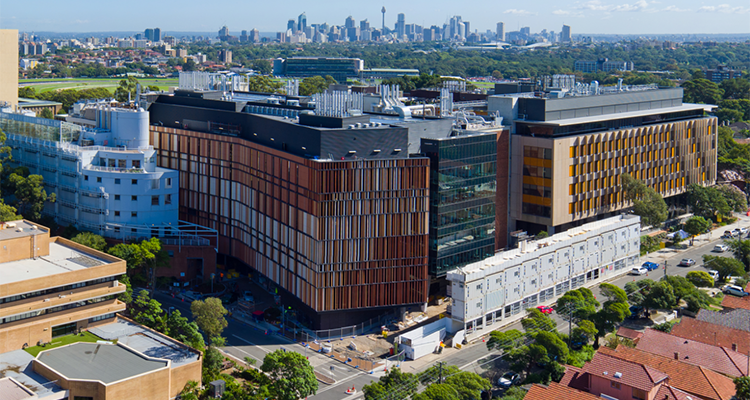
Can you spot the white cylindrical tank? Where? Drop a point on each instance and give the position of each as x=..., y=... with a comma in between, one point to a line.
x=130, y=128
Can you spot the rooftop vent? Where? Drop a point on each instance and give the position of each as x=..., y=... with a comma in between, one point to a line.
x=618, y=374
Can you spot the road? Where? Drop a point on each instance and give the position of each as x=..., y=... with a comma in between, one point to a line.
x=246, y=341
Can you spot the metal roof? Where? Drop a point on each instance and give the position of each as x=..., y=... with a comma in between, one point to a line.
x=610, y=116
x=107, y=363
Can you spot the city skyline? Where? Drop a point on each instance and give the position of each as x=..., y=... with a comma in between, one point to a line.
x=585, y=17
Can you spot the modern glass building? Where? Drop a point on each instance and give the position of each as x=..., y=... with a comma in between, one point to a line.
x=463, y=185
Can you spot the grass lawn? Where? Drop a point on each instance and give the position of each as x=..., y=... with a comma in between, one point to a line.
x=64, y=340
x=46, y=85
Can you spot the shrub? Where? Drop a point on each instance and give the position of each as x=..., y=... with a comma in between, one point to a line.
x=700, y=278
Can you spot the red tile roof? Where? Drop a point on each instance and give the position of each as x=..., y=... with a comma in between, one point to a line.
x=717, y=335
x=737, y=302
x=629, y=333
x=575, y=377
x=667, y=392
x=687, y=377
x=557, y=391
x=719, y=359
x=632, y=374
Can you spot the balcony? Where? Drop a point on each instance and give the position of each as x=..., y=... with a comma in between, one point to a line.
x=61, y=298
x=115, y=169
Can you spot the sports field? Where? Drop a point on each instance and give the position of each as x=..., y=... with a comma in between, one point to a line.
x=45, y=85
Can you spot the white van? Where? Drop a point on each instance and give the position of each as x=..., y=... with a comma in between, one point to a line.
x=734, y=290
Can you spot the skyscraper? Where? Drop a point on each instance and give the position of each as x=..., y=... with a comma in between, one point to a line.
x=500, y=32
x=302, y=22
x=149, y=34
x=400, y=25
x=9, y=67
x=349, y=23
x=223, y=32
x=291, y=25
x=565, y=34
x=157, y=35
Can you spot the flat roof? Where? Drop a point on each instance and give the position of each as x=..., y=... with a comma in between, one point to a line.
x=147, y=342
x=11, y=230
x=24, y=102
x=103, y=362
x=61, y=259
x=10, y=389
x=631, y=114
x=16, y=364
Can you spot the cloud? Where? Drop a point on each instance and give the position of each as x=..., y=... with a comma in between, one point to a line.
x=519, y=12
x=675, y=9
x=597, y=5
x=724, y=8
x=81, y=21
x=566, y=13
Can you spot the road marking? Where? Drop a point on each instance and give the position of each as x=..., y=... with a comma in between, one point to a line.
x=252, y=344
x=339, y=383
x=247, y=353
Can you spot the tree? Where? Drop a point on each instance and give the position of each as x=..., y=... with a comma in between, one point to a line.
x=741, y=251
x=647, y=202
x=700, y=278
x=8, y=212
x=209, y=315
x=735, y=198
x=126, y=90
x=505, y=340
x=638, y=290
x=742, y=388
x=613, y=311
x=127, y=296
x=315, y=84
x=542, y=235
x=156, y=258
x=514, y=393
x=707, y=202
x=584, y=332
x=438, y=391
x=660, y=297
x=396, y=385
x=178, y=327
x=263, y=84
x=435, y=372
x=681, y=286
x=92, y=240
x=613, y=293
x=701, y=91
x=291, y=374
x=737, y=88
x=556, y=349
x=30, y=195
x=536, y=321
x=132, y=253
x=263, y=67
x=695, y=226
x=522, y=358
x=725, y=266
x=469, y=385
x=148, y=311
x=47, y=113
x=581, y=301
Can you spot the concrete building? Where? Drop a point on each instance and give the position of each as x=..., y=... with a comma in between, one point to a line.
x=500, y=32
x=51, y=287
x=9, y=67
x=568, y=151
x=722, y=73
x=538, y=272
x=602, y=65
x=338, y=68
x=37, y=106
x=565, y=34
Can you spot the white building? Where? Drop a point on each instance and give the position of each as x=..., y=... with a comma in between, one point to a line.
x=104, y=175
x=509, y=282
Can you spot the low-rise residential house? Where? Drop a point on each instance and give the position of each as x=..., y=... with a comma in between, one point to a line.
x=709, y=333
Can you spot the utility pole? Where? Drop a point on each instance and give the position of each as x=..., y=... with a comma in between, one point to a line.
x=440, y=374
x=665, y=268
x=570, y=327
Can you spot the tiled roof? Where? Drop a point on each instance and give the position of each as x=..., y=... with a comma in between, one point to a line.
x=632, y=374
x=557, y=391
x=689, y=378
x=575, y=377
x=735, y=319
x=716, y=358
x=717, y=335
x=667, y=392
x=736, y=302
x=629, y=333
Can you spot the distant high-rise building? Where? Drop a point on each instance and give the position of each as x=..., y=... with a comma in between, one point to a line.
x=223, y=32
x=401, y=25
x=243, y=36
x=501, y=31
x=157, y=35
x=225, y=56
x=349, y=23
x=9, y=67
x=526, y=31
x=467, y=29
x=254, y=36
x=291, y=25
x=149, y=34
x=302, y=22
x=364, y=25
x=565, y=34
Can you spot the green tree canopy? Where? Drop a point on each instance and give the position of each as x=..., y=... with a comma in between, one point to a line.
x=661, y=297
x=438, y=391
x=291, y=374
x=536, y=321
x=178, y=327
x=469, y=385
x=148, y=312
x=702, y=91
x=742, y=388
x=581, y=301
x=700, y=278
x=707, y=202
x=583, y=332
x=638, y=290
x=315, y=84
x=394, y=385
x=556, y=349
x=696, y=225
x=209, y=315
x=725, y=266
x=30, y=195
x=647, y=202
x=263, y=84
x=505, y=340
x=126, y=89
x=92, y=240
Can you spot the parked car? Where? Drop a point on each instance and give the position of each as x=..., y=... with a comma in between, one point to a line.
x=509, y=379
x=545, y=309
x=714, y=274
x=650, y=266
x=638, y=271
x=636, y=312
x=248, y=296
x=741, y=231
x=720, y=248
x=729, y=234
x=734, y=290
x=686, y=262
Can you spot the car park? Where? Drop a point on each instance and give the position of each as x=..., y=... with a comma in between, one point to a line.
x=509, y=379
x=545, y=309
x=734, y=290
x=720, y=248
x=686, y=262
x=638, y=271
x=651, y=266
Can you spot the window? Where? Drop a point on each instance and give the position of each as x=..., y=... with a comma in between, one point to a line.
x=117, y=181
x=117, y=213
x=133, y=198
x=136, y=163
x=154, y=200
x=117, y=229
x=134, y=214
x=117, y=197
x=169, y=182
x=134, y=181
x=614, y=384
x=85, y=177
x=120, y=163
x=98, y=179
x=168, y=199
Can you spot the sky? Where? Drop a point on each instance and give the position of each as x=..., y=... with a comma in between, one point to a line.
x=584, y=16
